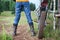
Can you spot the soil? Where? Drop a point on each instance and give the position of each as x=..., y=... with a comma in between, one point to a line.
x=23, y=32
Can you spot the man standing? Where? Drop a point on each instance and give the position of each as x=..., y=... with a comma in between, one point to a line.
x=18, y=8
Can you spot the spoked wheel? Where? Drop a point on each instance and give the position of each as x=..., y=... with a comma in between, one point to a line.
x=42, y=24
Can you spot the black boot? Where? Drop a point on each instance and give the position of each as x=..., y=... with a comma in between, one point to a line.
x=32, y=30
x=14, y=29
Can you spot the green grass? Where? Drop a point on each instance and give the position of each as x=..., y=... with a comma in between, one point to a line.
x=48, y=31
x=4, y=36
x=6, y=13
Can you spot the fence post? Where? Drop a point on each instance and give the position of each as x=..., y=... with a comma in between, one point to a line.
x=59, y=14
x=42, y=24
x=43, y=14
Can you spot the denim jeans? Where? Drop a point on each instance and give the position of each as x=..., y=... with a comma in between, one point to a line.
x=18, y=10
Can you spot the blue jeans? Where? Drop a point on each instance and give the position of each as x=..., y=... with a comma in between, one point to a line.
x=18, y=10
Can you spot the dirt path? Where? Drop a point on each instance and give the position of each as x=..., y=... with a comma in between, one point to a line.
x=24, y=34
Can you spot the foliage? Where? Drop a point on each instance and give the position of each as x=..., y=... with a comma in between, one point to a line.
x=51, y=1
x=0, y=6
x=32, y=6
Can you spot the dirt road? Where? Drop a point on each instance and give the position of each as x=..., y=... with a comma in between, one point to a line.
x=24, y=34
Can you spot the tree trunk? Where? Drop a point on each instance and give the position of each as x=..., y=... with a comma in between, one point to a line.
x=42, y=24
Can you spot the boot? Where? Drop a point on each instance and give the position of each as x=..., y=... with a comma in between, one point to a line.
x=14, y=29
x=32, y=30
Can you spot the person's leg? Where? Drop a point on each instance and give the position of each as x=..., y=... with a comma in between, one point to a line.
x=17, y=16
x=28, y=15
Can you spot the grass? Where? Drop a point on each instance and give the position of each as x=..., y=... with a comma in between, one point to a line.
x=4, y=36
x=48, y=31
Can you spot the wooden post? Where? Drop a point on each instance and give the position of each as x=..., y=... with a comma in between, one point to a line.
x=42, y=24
x=54, y=22
x=42, y=18
x=58, y=15
x=59, y=6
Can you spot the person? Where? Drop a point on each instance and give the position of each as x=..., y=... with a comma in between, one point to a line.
x=18, y=8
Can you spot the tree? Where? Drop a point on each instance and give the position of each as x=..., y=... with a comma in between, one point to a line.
x=32, y=6
x=1, y=7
